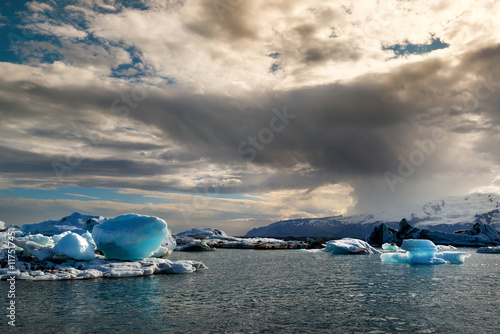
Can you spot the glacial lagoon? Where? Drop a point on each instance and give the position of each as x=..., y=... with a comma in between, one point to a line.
x=279, y=291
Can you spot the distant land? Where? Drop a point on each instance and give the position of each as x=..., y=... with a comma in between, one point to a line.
x=444, y=215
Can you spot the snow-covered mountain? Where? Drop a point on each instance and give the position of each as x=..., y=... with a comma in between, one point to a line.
x=445, y=215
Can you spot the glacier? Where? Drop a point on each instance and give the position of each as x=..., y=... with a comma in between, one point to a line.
x=421, y=251
x=130, y=236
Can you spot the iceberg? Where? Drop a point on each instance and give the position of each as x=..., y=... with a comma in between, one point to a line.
x=76, y=222
x=201, y=233
x=130, y=236
x=167, y=246
x=391, y=247
x=4, y=237
x=39, y=239
x=49, y=271
x=195, y=246
x=350, y=246
x=215, y=238
x=489, y=250
x=421, y=251
x=76, y=247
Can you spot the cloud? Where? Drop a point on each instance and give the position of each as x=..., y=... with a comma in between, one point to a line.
x=184, y=211
x=184, y=96
x=80, y=195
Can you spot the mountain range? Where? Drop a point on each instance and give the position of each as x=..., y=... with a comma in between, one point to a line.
x=444, y=215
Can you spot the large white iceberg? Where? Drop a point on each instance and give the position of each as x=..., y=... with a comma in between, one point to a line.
x=420, y=251
x=76, y=247
x=350, y=246
x=130, y=236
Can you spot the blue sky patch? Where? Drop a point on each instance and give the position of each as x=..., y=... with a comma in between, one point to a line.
x=407, y=48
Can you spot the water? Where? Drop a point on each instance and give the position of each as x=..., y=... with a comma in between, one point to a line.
x=282, y=291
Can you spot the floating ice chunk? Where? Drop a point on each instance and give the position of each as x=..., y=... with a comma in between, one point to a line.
x=311, y=250
x=269, y=240
x=203, y=232
x=87, y=236
x=183, y=267
x=57, y=237
x=40, y=239
x=27, y=245
x=452, y=257
x=4, y=237
x=419, y=251
x=167, y=246
x=43, y=254
x=169, y=242
x=195, y=246
x=445, y=247
x=350, y=246
x=391, y=247
x=130, y=236
x=395, y=257
x=44, y=270
x=75, y=247
x=490, y=250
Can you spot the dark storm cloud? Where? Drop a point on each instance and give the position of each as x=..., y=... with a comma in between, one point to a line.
x=340, y=132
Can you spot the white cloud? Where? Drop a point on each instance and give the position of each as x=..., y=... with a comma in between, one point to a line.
x=63, y=30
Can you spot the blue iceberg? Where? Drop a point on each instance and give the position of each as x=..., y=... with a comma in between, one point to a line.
x=130, y=236
x=419, y=251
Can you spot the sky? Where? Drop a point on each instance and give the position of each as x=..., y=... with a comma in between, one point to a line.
x=236, y=114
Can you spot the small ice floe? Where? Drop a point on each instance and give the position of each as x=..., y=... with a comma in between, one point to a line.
x=445, y=247
x=350, y=246
x=391, y=247
x=489, y=250
x=74, y=270
x=419, y=251
x=195, y=246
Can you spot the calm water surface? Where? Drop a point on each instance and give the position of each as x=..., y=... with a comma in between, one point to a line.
x=281, y=291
